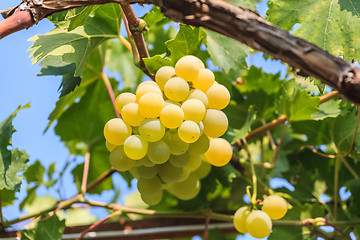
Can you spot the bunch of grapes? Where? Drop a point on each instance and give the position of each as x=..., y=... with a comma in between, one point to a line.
x=168, y=136
x=258, y=222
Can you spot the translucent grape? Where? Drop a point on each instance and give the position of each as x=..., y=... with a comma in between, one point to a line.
x=151, y=104
x=219, y=152
x=152, y=129
x=116, y=131
x=158, y=152
x=205, y=80
x=169, y=173
x=180, y=160
x=215, y=123
x=275, y=206
x=172, y=116
x=201, y=126
x=185, y=175
x=194, y=110
x=147, y=172
x=171, y=102
x=187, y=68
x=123, y=99
x=110, y=146
x=187, y=189
x=218, y=96
x=134, y=172
x=258, y=224
x=200, y=95
x=194, y=162
x=239, y=219
x=163, y=75
x=200, y=146
x=131, y=115
x=176, y=145
x=146, y=88
x=203, y=170
x=119, y=160
x=154, y=84
x=135, y=147
x=189, y=131
x=149, y=187
x=146, y=162
x=153, y=200
x=176, y=89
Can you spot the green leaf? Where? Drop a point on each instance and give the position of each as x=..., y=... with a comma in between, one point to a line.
x=322, y=22
x=79, y=216
x=77, y=16
x=352, y=6
x=40, y=203
x=237, y=134
x=291, y=233
x=245, y=3
x=154, y=63
x=225, y=52
x=35, y=173
x=76, y=45
x=328, y=109
x=7, y=197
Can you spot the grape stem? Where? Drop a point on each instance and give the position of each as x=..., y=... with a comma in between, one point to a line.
x=85, y=172
x=254, y=178
x=110, y=91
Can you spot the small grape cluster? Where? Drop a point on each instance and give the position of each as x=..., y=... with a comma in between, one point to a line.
x=168, y=136
x=258, y=222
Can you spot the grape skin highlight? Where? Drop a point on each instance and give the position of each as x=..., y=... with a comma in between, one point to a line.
x=275, y=206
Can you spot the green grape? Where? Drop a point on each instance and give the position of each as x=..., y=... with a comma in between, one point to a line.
x=134, y=173
x=185, y=175
x=131, y=115
x=147, y=172
x=153, y=200
x=200, y=95
x=123, y=99
x=187, y=189
x=110, y=146
x=116, y=131
x=187, y=68
x=194, y=110
x=146, y=162
x=275, y=206
x=215, y=123
x=163, y=75
x=176, y=89
x=189, y=131
x=158, y=152
x=172, y=116
x=218, y=96
x=194, y=162
x=152, y=83
x=149, y=187
x=169, y=173
x=119, y=160
x=200, y=146
x=135, y=129
x=180, y=160
x=146, y=88
x=152, y=129
x=151, y=104
x=203, y=170
x=239, y=219
x=176, y=145
x=219, y=152
x=138, y=163
x=205, y=80
x=258, y=224
x=135, y=147
x=201, y=126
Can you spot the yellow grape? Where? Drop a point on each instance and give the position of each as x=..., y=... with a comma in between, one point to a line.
x=152, y=129
x=172, y=116
x=116, y=131
x=194, y=110
x=123, y=99
x=171, y=102
x=135, y=147
x=187, y=68
x=176, y=89
x=215, y=123
x=119, y=160
x=275, y=206
x=189, y=131
x=219, y=152
x=146, y=88
x=239, y=219
x=201, y=126
x=200, y=95
x=151, y=104
x=110, y=146
x=258, y=224
x=131, y=114
x=176, y=145
x=163, y=75
x=205, y=79
x=150, y=82
x=218, y=96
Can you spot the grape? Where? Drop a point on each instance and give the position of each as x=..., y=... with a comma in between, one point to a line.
x=158, y=152
x=218, y=96
x=176, y=89
x=135, y=147
x=152, y=129
x=116, y=131
x=153, y=200
x=171, y=102
x=215, y=123
x=131, y=115
x=201, y=126
x=194, y=162
x=200, y=146
x=200, y=95
x=240, y=219
x=163, y=75
x=123, y=99
x=169, y=173
x=151, y=104
x=135, y=129
x=185, y=175
x=110, y=146
x=179, y=160
x=187, y=189
x=203, y=170
x=146, y=88
x=150, y=82
x=119, y=160
x=146, y=162
x=176, y=145
x=205, y=80
x=134, y=172
x=219, y=152
x=275, y=206
x=194, y=110
x=258, y=224
x=149, y=187
x=172, y=116
x=189, y=131
x=187, y=68
x=147, y=172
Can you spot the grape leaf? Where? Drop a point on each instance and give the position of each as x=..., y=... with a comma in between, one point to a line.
x=35, y=173
x=352, y=6
x=155, y=62
x=321, y=22
x=7, y=197
x=353, y=186
x=39, y=204
x=77, y=16
x=245, y=3
x=328, y=109
x=79, y=216
x=237, y=134
x=46, y=229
